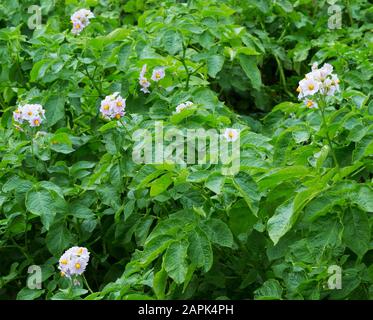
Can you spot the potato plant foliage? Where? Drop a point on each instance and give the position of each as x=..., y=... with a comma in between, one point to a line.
x=301, y=202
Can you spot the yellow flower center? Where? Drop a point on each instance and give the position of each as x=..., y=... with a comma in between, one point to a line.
x=62, y=274
x=311, y=87
x=309, y=103
x=64, y=261
x=80, y=251
x=77, y=265
x=231, y=134
x=117, y=116
x=36, y=122
x=157, y=75
x=298, y=89
x=106, y=107
x=119, y=103
x=77, y=26
x=29, y=113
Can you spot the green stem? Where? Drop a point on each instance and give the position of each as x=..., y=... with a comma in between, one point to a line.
x=185, y=67
x=99, y=90
x=325, y=124
x=282, y=76
x=86, y=283
x=32, y=134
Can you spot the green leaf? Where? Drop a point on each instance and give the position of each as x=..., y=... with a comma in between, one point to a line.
x=200, y=251
x=161, y=184
x=248, y=189
x=80, y=211
x=29, y=294
x=279, y=175
x=178, y=117
x=40, y=203
x=215, y=182
x=54, y=109
x=154, y=248
x=270, y=290
x=39, y=69
x=172, y=41
x=364, y=198
x=60, y=142
x=170, y=226
x=218, y=232
x=58, y=239
x=160, y=283
x=322, y=205
x=356, y=233
x=175, y=261
x=249, y=66
x=214, y=64
x=287, y=214
x=108, y=126
x=241, y=220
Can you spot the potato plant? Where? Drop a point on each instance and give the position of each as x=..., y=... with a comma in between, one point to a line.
x=85, y=85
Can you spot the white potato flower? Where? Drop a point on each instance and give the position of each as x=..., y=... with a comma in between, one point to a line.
x=231, y=135
x=81, y=19
x=310, y=103
x=308, y=87
x=319, y=80
x=158, y=74
x=183, y=106
x=32, y=113
x=113, y=106
x=143, y=81
x=74, y=261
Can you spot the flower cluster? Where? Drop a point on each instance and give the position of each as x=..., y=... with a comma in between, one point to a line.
x=321, y=81
x=183, y=106
x=157, y=75
x=231, y=135
x=32, y=113
x=144, y=82
x=113, y=106
x=80, y=19
x=73, y=261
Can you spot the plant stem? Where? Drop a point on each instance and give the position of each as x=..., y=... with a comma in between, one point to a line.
x=93, y=81
x=86, y=283
x=322, y=110
x=185, y=67
x=282, y=76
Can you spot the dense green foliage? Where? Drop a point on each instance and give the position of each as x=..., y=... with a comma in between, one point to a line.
x=179, y=232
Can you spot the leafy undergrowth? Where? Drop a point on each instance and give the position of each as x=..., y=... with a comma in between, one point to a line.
x=300, y=204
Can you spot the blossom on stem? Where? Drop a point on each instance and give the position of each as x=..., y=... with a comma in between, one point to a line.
x=183, y=106
x=231, y=135
x=310, y=103
x=31, y=113
x=143, y=81
x=80, y=19
x=113, y=106
x=74, y=261
x=318, y=81
x=158, y=74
